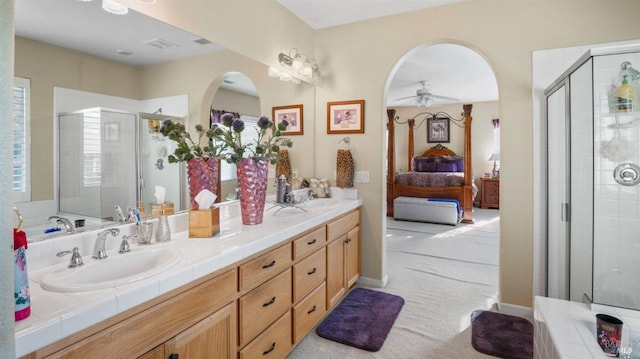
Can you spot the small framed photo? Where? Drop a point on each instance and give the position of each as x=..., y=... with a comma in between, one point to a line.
x=293, y=115
x=345, y=117
x=438, y=130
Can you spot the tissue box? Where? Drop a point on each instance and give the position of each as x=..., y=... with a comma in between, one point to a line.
x=156, y=209
x=204, y=223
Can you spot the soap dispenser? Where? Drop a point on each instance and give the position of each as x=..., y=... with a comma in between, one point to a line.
x=624, y=95
x=163, y=232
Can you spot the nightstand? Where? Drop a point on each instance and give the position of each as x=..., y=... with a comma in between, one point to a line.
x=490, y=192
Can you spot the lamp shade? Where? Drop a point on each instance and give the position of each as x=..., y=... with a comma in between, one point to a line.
x=494, y=157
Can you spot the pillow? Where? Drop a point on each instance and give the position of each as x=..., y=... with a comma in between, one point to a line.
x=438, y=164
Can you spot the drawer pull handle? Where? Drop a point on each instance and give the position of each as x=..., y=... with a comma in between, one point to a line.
x=273, y=346
x=312, y=272
x=312, y=310
x=312, y=242
x=273, y=262
x=174, y=356
x=273, y=300
x=348, y=240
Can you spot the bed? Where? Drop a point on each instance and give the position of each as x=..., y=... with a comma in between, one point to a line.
x=456, y=184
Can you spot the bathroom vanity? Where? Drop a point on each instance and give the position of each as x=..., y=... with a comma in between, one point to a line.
x=248, y=292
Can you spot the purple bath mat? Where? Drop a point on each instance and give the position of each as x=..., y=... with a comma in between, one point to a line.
x=362, y=320
x=501, y=335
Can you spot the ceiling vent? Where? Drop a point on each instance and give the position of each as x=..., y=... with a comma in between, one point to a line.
x=202, y=41
x=161, y=44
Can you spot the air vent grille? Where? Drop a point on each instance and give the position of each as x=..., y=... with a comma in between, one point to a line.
x=202, y=41
x=161, y=44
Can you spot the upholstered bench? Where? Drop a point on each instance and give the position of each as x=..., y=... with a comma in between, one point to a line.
x=435, y=210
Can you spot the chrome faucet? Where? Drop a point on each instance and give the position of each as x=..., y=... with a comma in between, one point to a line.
x=99, y=251
x=68, y=226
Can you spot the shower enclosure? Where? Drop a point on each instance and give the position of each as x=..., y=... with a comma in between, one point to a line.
x=97, y=162
x=593, y=176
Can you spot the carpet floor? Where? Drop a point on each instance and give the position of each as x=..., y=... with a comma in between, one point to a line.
x=443, y=273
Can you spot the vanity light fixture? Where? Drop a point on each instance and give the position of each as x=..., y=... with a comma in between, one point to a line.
x=296, y=65
x=114, y=7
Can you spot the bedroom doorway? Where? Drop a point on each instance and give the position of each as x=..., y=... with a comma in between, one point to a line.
x=444, y=261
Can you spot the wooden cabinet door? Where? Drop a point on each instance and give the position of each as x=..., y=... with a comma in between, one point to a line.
x=213, y=337
x=335, y=271
x=155, y=353
x=352, y=257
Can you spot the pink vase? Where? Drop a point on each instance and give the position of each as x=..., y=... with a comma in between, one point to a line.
x=202, y=175
x=252, y=183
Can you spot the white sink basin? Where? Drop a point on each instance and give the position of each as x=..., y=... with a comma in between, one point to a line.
x=115, y=270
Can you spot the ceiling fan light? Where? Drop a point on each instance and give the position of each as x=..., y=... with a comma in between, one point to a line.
x=114, y=7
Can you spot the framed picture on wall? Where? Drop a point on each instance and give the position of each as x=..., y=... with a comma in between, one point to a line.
x=345, y=117
x=438, y=130
x=293, y=115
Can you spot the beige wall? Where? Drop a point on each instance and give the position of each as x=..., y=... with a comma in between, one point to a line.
x=505, y=32
x=357, y=61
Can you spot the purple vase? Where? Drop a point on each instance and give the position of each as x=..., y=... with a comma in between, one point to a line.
x=202, y=175
x=252, y=183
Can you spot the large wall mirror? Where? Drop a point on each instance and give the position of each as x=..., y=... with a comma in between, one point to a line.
x=107, y=78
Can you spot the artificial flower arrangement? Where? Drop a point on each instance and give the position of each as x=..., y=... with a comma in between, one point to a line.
x=228, y=134
x=225, y=140
x=189, y=148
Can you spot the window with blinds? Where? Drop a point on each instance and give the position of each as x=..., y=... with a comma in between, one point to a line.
x=21, y=140
x=91, y=150
x=249, y=135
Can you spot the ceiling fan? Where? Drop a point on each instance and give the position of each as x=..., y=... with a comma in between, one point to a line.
x=424, y=97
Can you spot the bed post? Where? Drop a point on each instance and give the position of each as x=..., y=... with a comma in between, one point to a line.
x=467, y=216
x=391, y=162
x=412, y=123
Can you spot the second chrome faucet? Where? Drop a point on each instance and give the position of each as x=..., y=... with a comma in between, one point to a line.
x=99, y=251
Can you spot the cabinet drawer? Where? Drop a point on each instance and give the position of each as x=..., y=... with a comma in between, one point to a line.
x=154, y=325
x=260, y=307
x=275, y=342
x=264, y=267
x=308, y=274
x=309, y=243
x=308, y=312
x=341, y=226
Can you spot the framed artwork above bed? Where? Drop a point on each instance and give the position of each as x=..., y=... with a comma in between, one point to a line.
x=438, y=130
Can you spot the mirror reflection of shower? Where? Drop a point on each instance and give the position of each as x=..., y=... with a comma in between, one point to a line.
x=97, y=162
x=155, y=168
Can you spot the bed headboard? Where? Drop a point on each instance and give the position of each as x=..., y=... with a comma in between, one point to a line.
x=438, y=151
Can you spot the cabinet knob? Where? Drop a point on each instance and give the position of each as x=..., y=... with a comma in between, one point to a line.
x=174, y=356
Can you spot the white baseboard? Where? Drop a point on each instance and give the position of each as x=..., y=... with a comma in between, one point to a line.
x=375, y=283
x=516, y=310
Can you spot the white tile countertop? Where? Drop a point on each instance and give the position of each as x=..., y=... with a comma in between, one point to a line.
x=567, y=330
x=57, y=315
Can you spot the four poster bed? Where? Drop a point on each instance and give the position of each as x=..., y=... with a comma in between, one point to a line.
x=423, y=179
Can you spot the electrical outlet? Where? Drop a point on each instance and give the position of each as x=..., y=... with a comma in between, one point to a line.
x=294, y=173
x=361, y=177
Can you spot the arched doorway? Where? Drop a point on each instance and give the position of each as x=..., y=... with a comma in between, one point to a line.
x=446, y=271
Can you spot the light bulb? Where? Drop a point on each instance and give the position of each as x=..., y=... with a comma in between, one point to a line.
x=114, y=7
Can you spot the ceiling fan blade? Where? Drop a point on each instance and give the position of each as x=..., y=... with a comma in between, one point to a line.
x=444, y=98
x=405, y=98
